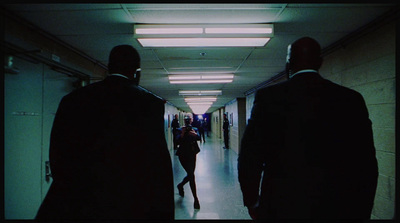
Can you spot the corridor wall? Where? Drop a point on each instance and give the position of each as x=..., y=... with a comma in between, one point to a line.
x=31, y=99
x=216, y=123
x=236, y=112
x=169, y=113
x=368, y=66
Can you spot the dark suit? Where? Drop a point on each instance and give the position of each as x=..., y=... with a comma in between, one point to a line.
x=175, y=125
x=108, y=155
x=225, y=128
x=313, y=140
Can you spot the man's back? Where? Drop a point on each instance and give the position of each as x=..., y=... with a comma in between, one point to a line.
x=108, y=155
x=316, y=141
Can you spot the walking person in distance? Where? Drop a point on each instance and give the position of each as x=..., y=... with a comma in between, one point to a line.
x=187, y=153
x=225, y=129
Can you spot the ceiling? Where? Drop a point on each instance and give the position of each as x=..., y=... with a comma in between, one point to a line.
x=96, y=28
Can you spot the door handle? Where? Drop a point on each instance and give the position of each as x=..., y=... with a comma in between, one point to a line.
x=48, y=173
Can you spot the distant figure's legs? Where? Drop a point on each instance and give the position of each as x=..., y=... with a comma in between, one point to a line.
x=226, y=139
x=202, y=135
x=174, y=140
x=189, y=164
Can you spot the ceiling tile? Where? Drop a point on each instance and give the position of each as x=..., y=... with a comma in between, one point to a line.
x=210, y=53
x=200, y=65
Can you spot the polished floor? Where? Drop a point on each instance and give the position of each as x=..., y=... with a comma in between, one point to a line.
x=217, y=183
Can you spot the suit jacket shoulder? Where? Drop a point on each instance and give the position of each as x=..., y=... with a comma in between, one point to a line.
x=274, y=90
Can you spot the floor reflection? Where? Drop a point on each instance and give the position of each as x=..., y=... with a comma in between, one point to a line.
x=218, y=188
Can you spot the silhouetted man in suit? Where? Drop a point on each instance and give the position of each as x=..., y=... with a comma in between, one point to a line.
x=225, y=129
x=312, y=140
x=202, y=126
x=108, y=155
x=175, y=125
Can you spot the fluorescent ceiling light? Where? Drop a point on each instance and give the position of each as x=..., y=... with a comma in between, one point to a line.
x=184, y=77
x=204, y=35
x=203, y=92
x=169, y=30
x=201, y=81
x=199, y=68
x=201, y=99
x=199, y=106
x=199, y=109
x=200, y=77
x=204, y=28
x=200, y=103
x=204, y=42
x=239, y=30
x=222, y=76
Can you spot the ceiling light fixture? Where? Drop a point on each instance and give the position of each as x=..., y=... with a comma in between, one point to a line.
x=200, y=103
x=199, y=109
x=199, y=93
x=201, y=82
x=234, y=30
x=204, y=35
x=184, y=77
x=200, y=68
x=200, y=79
x=200, y=99
x=203, y=42
x=169, y=31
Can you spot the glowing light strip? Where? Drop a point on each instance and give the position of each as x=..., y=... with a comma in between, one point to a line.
x=204, y=42
x=198, y=77
x=201, y=99
x=199, y=109
x=169, y=30
x=200, y=103
x=239, y=30
x=204, y=92
x=228, y=76
x=201, y=81
x=184, y=77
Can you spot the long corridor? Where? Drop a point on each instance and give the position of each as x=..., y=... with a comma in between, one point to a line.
x=217, y=183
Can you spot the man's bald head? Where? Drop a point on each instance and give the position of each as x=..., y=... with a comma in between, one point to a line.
x=125, y=60
x=304, y=53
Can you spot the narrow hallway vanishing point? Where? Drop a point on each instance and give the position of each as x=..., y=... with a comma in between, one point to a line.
x=217, y=183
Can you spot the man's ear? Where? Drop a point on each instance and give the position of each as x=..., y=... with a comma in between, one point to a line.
x=136, y=77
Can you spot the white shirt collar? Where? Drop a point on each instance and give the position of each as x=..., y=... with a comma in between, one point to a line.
x=120, y=75
x=303, y=71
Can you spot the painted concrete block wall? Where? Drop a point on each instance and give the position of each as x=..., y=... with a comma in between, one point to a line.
x=368, y=66
x=249, y=106
x=169, y=114
x=237, y=109
x=216, y=120
x=232, y=108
